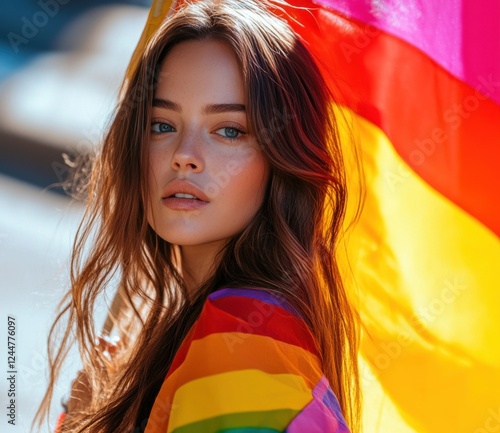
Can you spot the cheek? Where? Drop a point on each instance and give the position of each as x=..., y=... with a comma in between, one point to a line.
x=229, y=174
x=157, y=159
x=250, y=162
x=153, y=181
x=153, y=175
x=159, y=167
x=260, y=169
x=253, y=174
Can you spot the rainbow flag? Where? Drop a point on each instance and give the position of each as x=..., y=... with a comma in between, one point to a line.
x=223, y=378
x=418, y=85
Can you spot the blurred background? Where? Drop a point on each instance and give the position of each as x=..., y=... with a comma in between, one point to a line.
x=61, y=65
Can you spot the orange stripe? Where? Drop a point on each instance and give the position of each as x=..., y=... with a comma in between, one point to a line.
x=248, y=315
x=239, y=351
x=225, y=352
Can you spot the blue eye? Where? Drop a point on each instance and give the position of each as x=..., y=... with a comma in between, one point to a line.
x=230, y=132
x=161, y=128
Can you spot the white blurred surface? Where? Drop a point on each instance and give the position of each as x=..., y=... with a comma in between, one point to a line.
x=65, y=98
x=36, y=232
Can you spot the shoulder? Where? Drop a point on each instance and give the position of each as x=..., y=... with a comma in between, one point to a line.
x=249, y=360
x=248, y=325
x=256, y=312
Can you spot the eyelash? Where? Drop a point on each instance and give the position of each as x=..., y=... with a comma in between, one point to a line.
x=234, y=127
x=159, y=122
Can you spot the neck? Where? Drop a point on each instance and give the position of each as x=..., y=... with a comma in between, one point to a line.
x=198, y=263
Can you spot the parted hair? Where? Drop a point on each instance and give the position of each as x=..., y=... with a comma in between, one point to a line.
x=289, y=247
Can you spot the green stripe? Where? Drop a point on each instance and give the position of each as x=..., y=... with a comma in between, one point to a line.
x=270, y=421
x=250, y=430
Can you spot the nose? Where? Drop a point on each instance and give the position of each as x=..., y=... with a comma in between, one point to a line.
x=187, y=156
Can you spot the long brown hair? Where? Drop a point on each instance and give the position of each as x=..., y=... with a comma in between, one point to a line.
x=288, y=248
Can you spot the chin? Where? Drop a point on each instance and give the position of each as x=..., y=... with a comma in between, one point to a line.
x=187, y=239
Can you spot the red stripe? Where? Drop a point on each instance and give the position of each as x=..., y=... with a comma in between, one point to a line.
x=246, y=315
x=446, y=131
x=59, y=422
x=267, y=319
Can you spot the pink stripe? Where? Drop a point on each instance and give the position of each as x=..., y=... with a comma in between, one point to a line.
x=317, y=417
x=463, y=36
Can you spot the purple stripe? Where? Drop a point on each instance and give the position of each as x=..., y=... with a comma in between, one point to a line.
x=259, y=294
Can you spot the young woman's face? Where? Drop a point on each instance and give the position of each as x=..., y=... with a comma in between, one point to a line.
x=207, y=174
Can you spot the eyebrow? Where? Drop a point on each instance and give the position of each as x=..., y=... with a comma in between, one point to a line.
x=208, y=109
x=166, y=104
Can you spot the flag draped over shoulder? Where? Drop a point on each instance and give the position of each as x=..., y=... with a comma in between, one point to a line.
x=419, y=86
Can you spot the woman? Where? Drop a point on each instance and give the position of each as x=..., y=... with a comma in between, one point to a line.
x=217, y=199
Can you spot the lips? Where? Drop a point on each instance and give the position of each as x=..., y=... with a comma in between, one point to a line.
x=183, y=196
x=184, y=190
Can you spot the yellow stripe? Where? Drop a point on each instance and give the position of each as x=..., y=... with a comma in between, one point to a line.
x=428, y=275
x=157, y=13
x=234, y=392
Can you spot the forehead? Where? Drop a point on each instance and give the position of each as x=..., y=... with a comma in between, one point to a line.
x=205, y=70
